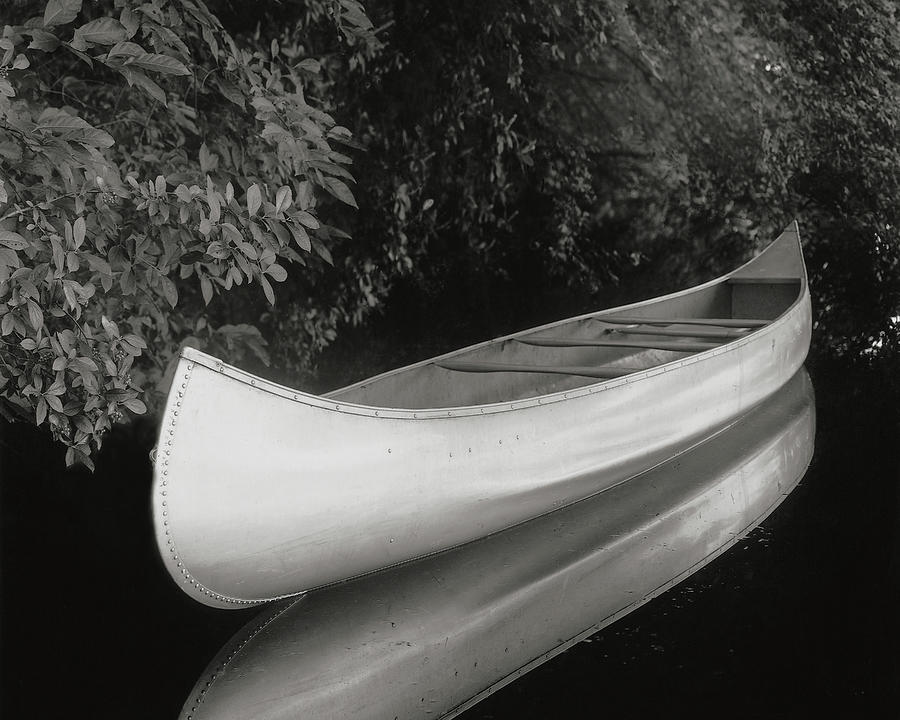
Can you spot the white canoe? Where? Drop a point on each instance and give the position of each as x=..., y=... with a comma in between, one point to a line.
x=431, y=638
x=261, y=491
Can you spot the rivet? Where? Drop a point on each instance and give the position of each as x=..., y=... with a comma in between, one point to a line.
x=337, y=407
x=181, y=394
x=168, y=442
x=169, y=541
x=178, y=404
x=183, y=385
x=392, y=540
x=501, y=442
x=470, y=449
x=389, y=450
x=449, y=414
x=165, y=522
x=415, y=415
x=165, y=513
x=376, y=413
x=295, y=397
x=253, y=382
x=165, y=472
x=179, y=565
x=176, y=412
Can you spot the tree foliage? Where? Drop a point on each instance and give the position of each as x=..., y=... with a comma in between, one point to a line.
x=152, y=162
x=516, y=158
x=516, y=148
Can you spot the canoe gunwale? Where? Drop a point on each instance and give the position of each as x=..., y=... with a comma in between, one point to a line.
x=334, y=404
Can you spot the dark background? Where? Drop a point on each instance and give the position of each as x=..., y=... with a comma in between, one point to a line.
x=798, y=620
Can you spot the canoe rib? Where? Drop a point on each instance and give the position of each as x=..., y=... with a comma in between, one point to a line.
x=599, y=371
x=593, y=342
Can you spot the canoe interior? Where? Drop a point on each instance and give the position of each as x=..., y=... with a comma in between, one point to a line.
x=762, y=290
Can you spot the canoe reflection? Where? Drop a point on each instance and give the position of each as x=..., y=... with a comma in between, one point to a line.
x=432, y=638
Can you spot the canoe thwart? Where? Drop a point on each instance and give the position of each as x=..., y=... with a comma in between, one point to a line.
x=697, y=332
x=567, y=341
x=721, y=322
x=596, y=371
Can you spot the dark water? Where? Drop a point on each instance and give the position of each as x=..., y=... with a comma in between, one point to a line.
x=799, y=620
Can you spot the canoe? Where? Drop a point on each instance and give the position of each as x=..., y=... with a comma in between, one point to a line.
x=261, y=491
x=432, y=638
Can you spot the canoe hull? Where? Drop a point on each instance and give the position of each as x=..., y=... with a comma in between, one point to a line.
x=262, y=491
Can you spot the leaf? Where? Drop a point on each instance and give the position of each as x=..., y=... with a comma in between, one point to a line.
x=98, y=264
x=136, y=406
x=169, y=291
x=137, y=77
x=308, y=220
x=72, y=127
x=130, y=21
x=155, y=62
x=267, y=289
x=35, y=316
x=182, y=193
x=40, y=412
x=248, y=250
x=207, y=289
x=254, y=199
x=232, y=92
x=102, y=31
x=53, y=402
x=135, y=340
x=232, y=233
x=283, y=199
x=301, y=236
x=340, y=190
x=276, y=272
x=310, y=65
x=112, y=330
x=208, y=161
x=9, y=258
x=13, y=240
x=78, y=230
x=83, y=365
x=60, y=12
x=42, y=40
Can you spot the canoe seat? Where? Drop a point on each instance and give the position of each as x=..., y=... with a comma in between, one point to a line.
x=565, y=341
x=720, y=322
x=594, y=371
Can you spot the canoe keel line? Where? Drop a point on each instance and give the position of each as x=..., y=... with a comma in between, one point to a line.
x=261, y=491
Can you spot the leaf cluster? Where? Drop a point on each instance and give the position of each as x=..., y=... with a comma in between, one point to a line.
x=152, y=162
